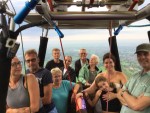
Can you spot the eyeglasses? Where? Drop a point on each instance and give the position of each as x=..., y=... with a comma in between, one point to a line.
x=31, y=60
x=15, y=64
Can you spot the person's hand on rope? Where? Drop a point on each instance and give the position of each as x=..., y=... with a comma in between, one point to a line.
x=109, y=96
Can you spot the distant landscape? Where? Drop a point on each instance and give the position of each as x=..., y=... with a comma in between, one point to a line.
x=126, y=52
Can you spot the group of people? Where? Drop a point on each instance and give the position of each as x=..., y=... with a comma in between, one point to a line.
x=47, y=90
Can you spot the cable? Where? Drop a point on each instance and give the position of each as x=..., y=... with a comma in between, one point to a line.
x=110, y=33
x=5, y=2
x=12, y=7
x=25, y=67
x=139, y=25
x=67, y=71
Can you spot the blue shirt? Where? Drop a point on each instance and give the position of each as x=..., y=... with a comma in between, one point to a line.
x=60, y=96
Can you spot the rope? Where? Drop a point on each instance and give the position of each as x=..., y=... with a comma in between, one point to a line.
x=68, y=72
x=133, y=5
x=25, y=68
x=50, y=5
x=110, y=33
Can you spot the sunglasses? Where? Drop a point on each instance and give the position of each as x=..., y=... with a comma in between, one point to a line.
x=31, y=60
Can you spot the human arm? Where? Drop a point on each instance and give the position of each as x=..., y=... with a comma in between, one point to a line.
x=19, y=110
x=47, y=94
x=121, y=99
x=136, y=103
x=96, y=98
x=31, y=84
x=93, y=87
x=109, y=96
x=34, y=93
x=75, y=91
x=47, y=87
x=123, y=78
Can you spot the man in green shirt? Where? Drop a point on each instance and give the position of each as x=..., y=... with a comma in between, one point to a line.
x=136, y=92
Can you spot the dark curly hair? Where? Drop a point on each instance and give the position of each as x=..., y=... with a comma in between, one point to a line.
x=109, y=55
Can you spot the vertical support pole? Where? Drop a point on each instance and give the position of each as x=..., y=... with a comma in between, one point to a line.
x=148, y=35
x=114, y=51
x=4, y=78
x=42, y=50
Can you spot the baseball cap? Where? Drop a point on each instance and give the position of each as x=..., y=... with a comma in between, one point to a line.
x=145, y=47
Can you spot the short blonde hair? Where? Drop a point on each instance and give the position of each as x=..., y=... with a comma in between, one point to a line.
x=55, y=71
x=55, y=49
x=31, y=51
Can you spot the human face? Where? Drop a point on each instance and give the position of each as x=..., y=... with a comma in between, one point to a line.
x=103, y=85
x=16, y=67
x=144, y=60
x=92, y=61
x=32, y=62
x=109, y=64
x=67, y=61
x=56, y=55
x=83, y=54
x=57, y=78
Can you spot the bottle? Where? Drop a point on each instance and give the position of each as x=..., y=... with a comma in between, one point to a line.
x=81, y=105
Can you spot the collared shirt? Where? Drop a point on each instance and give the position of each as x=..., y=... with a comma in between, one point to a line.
x=139, y=84
x=82, y=64
x=84, y=73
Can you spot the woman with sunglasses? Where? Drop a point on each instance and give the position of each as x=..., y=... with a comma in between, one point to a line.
x=23, y=91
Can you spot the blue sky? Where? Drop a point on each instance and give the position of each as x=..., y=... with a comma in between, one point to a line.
x=127, y=34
